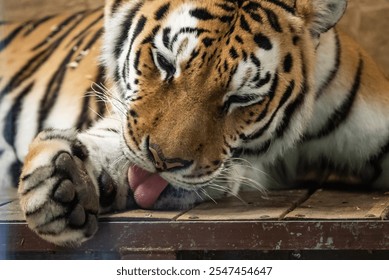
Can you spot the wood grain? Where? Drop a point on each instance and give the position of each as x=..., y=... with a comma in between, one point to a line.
x=330, y=204
x=7, y=195
x=139, y=214
x=11, y=212
x=255, y=206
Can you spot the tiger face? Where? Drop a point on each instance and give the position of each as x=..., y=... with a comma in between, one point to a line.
x=203, y=81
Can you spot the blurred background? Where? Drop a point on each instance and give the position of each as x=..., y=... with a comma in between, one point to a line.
x=367, y=21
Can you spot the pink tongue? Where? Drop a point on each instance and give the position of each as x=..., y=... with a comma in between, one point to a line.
x=147, y=187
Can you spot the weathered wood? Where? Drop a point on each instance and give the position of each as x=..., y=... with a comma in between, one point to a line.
x=11, y=212
x=7, y=195
x=139, y=214
x=330, y=204
x=140, y=234
x=147, y=255
x=168, y=236
x=254, y=206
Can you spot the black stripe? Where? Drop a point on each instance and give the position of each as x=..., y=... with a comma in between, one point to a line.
x=166, y=37
x=138, y=29
x=35, y=179
x=342, y=112
x=284, y=98
x=254, y=59
x=11, y=119
x=271, y=95
x=334, y=69
x=35, y=63
x=161, y=12
x=84, y=120
x=282, y=5
x=251, y=7
x=226, y=8
x=137, y=61
x=59, y=28
x=208, y=41
x=288, y=63
x=115, y=6
x=201, y=14
x=193, y=55
x=256, y=17
x=7, y=40
x=232, y=73
x=273, y=20
x=253, y=152
x=233, y=53
x=198, y=32
x=150, y=37
x=292, y=107
x=263, y=81
x=289, y=111
x=244, y=24
x=54, y=87
x=32, y=27
x=239, y=39
x=125, y=28
x=94, y=39
x=263, y=41
x=86, y=29
x=227, y=19
x=89, y=44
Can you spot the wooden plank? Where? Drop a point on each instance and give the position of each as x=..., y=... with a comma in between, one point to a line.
x=139, y=214
x=7, y=195
x=169, y=236
x=327, y=204
x=11, y=212
x=256, y=206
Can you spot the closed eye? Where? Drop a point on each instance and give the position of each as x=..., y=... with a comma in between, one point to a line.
x=238, y=101
x=165, y=65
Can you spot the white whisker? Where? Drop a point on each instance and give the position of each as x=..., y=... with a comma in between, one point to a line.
x=205, y=193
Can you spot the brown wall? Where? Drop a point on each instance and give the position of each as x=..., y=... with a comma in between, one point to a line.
x=366, y=20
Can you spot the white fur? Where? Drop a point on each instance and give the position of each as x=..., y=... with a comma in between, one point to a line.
x=269, y=63
x=178, y=19
x=113, y=25
x=325, y=59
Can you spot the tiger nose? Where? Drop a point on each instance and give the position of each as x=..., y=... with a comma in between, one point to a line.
x=162, y=163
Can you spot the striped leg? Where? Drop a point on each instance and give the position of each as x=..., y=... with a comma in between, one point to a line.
x=68, y=179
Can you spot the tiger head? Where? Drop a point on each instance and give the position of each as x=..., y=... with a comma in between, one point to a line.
x=203, y=81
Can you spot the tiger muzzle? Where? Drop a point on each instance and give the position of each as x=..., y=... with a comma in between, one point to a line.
x=163, y=164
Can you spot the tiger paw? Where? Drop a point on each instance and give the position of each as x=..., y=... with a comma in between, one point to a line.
x=57, y=195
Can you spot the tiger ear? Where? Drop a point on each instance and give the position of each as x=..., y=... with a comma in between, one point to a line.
x=320, y=15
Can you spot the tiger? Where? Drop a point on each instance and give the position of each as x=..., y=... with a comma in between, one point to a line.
x=163, y=104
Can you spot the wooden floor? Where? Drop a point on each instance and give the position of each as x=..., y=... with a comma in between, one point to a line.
x=289, y=220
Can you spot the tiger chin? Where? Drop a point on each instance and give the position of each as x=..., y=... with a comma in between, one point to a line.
x=200, y=99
